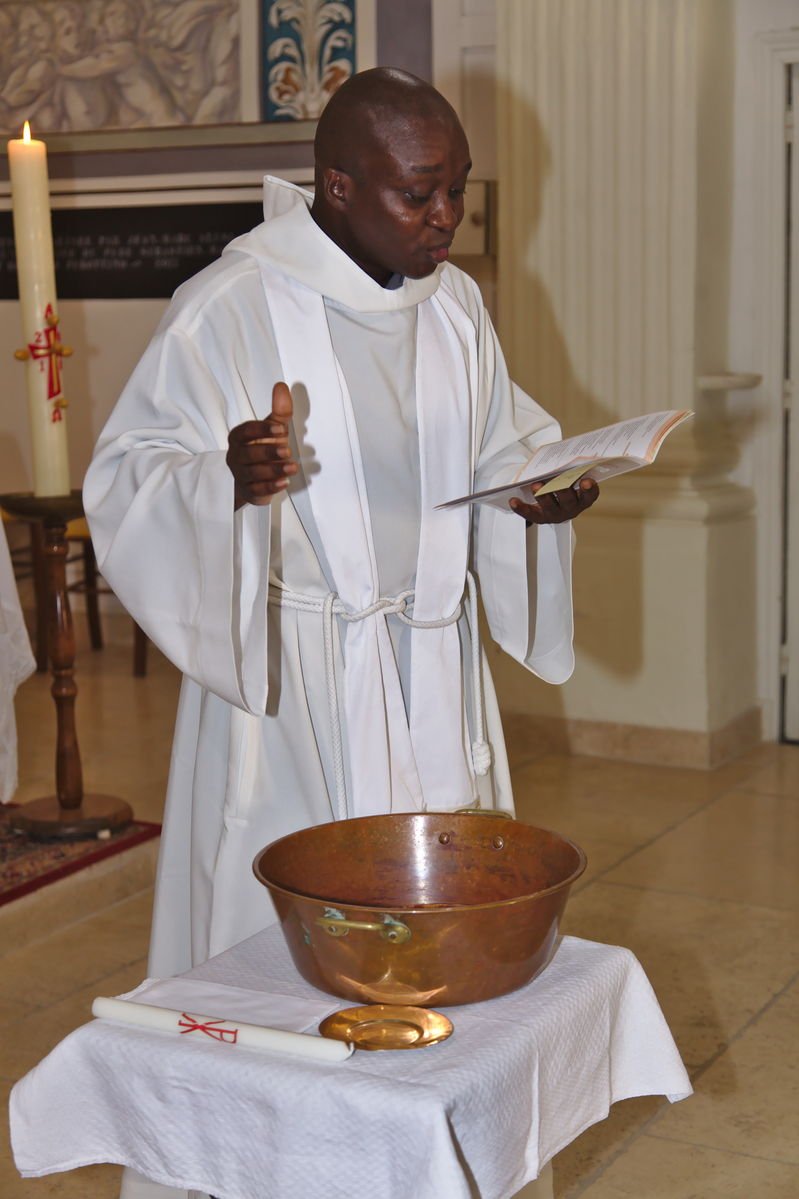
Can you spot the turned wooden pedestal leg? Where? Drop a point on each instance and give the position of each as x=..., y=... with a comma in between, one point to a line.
x=69, y=814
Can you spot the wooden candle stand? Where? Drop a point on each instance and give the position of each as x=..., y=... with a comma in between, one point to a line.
x=69, y=814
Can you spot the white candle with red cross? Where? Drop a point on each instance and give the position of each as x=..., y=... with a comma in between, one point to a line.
x=42, y=351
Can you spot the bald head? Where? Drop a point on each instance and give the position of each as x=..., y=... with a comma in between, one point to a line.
x=371, y=109
x=391, y=167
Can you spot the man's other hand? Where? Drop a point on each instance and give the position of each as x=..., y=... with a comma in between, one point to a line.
x=557, y=506
x=259, y=455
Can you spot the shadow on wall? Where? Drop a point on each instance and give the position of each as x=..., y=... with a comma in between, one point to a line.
x=13, y=467
x=575, y=304
x=540, y=360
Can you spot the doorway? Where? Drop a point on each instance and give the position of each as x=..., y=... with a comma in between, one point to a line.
x=790, y=621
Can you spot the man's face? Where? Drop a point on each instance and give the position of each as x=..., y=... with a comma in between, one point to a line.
x=404, y=206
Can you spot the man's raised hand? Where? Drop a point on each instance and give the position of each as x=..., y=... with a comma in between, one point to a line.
x=259, y=455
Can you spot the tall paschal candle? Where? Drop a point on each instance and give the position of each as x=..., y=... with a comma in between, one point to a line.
x=42, y=351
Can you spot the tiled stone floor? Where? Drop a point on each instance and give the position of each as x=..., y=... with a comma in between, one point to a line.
x=696, y=872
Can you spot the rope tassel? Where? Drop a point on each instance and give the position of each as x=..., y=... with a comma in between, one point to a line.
x=481, y=757
x=481, y=750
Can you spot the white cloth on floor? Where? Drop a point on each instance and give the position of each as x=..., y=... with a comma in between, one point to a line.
x=16, y=663
x=478, y=1114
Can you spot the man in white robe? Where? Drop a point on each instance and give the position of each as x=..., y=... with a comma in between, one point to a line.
x=281, y=544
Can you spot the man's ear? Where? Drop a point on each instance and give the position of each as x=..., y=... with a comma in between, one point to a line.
x=337, y=188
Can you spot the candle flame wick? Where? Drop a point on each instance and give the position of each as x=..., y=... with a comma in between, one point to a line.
x=26, y=131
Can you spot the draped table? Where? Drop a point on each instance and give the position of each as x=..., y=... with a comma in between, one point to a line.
x=478, y=1115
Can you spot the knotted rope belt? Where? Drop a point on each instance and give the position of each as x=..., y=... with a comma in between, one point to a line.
x=397, y=605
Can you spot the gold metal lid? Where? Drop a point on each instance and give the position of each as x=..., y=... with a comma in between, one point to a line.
x=386, y=1026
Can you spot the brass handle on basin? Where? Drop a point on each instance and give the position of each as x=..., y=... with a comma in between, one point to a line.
x=482, y=812
x=336, y=924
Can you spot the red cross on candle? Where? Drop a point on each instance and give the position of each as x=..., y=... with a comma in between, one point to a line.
x=45, y=344
x=210, y=1028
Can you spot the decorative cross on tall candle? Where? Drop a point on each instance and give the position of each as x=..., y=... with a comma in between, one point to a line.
x=33, y=238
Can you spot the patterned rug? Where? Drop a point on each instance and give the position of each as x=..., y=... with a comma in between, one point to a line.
x=26, y=865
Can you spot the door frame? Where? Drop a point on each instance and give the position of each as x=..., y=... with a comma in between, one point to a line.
x=774, y=52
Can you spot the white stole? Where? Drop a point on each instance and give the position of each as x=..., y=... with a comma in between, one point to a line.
x=396, y=762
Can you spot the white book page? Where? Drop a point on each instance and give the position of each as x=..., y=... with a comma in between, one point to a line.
x=639, y=438
x=602, y=453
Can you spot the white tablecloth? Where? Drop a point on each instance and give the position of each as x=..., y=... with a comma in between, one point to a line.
x=477, y=1115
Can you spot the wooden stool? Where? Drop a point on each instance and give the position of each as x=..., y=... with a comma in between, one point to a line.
x=92, y=588
x=28, y=561
x=71, y=814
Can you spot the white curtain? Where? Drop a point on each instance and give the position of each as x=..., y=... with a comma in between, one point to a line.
x=597, y=165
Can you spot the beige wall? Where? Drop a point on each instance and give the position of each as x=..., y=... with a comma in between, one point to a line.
x=614, y=298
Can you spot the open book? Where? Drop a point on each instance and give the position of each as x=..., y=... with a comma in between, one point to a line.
x=601, y=454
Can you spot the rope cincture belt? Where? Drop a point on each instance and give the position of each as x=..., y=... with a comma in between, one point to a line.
x=397, y=605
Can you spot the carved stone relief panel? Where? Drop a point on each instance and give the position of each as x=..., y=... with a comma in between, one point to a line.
x=69, y=66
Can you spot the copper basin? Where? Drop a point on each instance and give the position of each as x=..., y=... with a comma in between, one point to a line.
x=426, y=909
